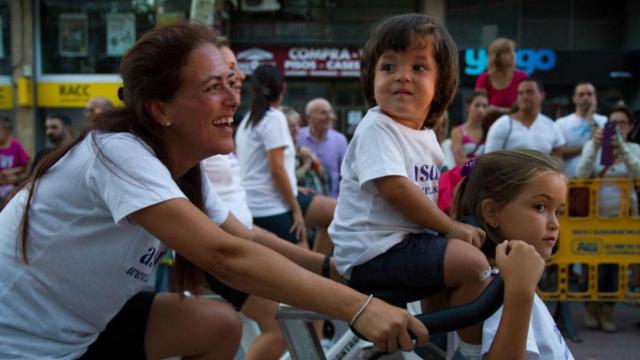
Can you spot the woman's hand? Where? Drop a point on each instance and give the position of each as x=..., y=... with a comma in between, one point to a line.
x=598, y=134
x=471, y=234
x=389, y=327
x=520, y=264
x=299, y=228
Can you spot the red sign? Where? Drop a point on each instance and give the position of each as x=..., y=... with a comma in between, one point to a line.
x=303, y=61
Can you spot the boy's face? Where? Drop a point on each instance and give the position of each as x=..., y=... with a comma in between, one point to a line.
x=533, y=215
x=405, y=83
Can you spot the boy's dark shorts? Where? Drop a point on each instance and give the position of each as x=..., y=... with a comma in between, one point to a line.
x=123, y=338
x=415, y=265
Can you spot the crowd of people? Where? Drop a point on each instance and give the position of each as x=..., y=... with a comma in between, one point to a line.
x=269, y=210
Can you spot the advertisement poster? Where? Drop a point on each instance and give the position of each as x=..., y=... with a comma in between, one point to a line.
x=74, y=35
x=202, y=11
x=121, y=33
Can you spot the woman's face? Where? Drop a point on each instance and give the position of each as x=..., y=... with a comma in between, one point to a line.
x=294, y=126
x=202, y=109
x=478, y=108
x=622, y=122
x=507, y=58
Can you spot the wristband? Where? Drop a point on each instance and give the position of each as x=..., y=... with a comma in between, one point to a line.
x=357, y=315
x=326, y=266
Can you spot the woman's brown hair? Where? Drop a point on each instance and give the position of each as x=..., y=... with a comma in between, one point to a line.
x=151, y=69
x=498, y=47
x=398, y=34
x=499, y=176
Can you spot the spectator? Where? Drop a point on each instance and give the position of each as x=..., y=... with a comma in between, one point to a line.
x=319, y=136
x=577, y=127
x=466, y=138
x=501, y=79
x=95, y=106
x=309, y=170
x=526, y=128
x=57, y=131
x=626, y=164
x=13, y=160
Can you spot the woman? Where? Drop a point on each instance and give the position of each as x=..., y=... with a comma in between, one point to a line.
x=501, y=80
x=466, y=138
x=95, y=216
x=13, y=160
x=626, y=163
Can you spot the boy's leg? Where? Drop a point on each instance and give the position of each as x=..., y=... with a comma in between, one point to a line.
x=191, y=327
x=463, y=264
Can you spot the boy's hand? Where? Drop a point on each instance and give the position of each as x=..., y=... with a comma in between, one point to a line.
x=468, y=233
x=520, y=264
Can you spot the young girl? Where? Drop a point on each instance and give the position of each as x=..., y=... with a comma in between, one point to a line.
x=466, y=139
x=517, y=195
x=386, y=219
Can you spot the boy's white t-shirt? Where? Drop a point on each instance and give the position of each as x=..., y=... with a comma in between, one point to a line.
x=365, y=225
x=86, y=258
x=577, y=131
x=224, y=173
x=252, y=145
x=544, y=340
x=542, y=135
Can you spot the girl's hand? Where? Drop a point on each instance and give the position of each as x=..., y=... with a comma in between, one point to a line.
x=471, y=234
x=299, y=228
x=388, y=327
x=520, y=264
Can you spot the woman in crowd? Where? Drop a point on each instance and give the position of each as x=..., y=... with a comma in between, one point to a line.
x=466, y=138
x=501, y=79
x=266, y=153
x=13, y=160
x=626, y=163
x=81, y=238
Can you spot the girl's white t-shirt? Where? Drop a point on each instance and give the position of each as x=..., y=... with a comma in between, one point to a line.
x=86, y=258
x=224, y=173
x=544, y=340
x=365, y=225
x=252, y=145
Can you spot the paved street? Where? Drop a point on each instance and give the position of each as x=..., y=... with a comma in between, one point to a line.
x=597, y=345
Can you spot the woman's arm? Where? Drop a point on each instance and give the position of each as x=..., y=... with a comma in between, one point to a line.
x=275, y=158
x=587, y=162
x=630, y=154
x=456, y=146
x=520, y=267
x=257, y=270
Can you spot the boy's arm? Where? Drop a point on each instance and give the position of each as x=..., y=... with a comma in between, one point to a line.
x=407, y=198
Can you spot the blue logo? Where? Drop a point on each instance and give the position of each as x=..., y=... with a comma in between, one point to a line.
x=527, y=60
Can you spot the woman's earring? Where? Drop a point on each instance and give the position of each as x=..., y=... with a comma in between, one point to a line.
x=166, y=124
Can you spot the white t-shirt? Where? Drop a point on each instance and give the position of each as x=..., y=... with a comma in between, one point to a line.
x=252, y=145
x=224, y=173
x=576, y=131
x=544, y=340
x=365, y=225
x=86, y=259
x=542, y=135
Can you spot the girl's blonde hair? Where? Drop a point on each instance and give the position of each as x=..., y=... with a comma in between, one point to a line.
x=498, y=47
x=499, y=176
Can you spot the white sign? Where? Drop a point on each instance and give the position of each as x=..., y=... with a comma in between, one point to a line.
x=121, y=33
x=202, y=11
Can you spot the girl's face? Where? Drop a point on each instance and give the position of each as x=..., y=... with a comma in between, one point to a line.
x=405, y=83
x=478, y=108
x=507, y=58
x=294, y=126
x=533, y=215
x=4, y=135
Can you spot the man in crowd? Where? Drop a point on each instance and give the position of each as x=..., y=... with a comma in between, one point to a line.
x=57, y=131
x=94, y=107
x=526, y=128
x=328, y=144
x=577, y=126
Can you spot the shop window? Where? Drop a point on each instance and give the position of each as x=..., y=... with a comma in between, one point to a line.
x=5, y=39
x=78, y=37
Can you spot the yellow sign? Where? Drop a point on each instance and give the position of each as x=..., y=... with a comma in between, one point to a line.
x=6, y=97
x=75, y=95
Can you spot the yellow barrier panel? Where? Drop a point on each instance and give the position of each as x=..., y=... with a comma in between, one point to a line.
x=591, y=243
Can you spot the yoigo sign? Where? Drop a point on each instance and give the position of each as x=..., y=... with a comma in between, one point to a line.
x=527, y=60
